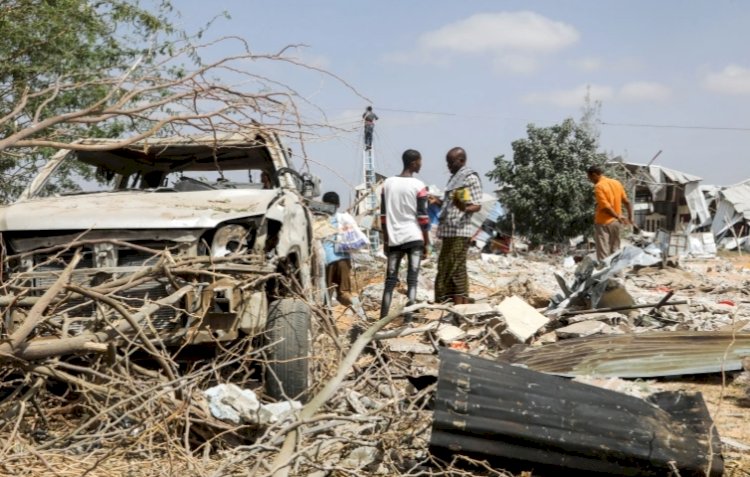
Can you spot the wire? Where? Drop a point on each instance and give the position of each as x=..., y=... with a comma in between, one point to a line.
x=673, y=126
x=434, y=113
x=603, y=123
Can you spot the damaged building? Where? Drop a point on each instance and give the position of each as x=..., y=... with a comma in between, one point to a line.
x=731, y=221
x=665, y=199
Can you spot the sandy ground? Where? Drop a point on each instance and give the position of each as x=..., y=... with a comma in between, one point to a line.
x=708, y=281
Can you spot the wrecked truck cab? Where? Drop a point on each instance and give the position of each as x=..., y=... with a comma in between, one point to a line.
x=215, y=229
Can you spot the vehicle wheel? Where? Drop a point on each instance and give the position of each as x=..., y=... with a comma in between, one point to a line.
x=288, y=336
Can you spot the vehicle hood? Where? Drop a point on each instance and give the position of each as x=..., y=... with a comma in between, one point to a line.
x=135, y=210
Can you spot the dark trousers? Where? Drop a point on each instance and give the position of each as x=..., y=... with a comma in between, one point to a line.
x=368, y=135
x=413, y=252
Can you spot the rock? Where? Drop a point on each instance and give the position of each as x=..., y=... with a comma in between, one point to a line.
x=639, y=389
x=360, y=457
x=408, y=345
x=231, y=403
x=610, y=318
x=615, y=295
x=529, y=290
x=583, y=328
x=279, y=411
x=476, y=310
x=521, y=320
x=448, y=333
x=722, y=309
x=546, y=338
x=371, y=296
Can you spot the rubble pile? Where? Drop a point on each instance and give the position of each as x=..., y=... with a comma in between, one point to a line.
x=371, y=409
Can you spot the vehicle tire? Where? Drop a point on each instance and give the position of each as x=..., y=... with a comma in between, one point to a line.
x=288, y=355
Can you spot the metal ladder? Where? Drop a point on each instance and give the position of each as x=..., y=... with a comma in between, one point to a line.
x=372, y=199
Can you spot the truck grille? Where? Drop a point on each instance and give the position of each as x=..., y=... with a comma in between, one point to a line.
x=80, y=314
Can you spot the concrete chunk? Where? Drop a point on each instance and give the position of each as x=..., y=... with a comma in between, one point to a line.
x=521, y=319
x=611, y=318
x=475, y=309
x=449, y=333
x=409, y=345
x=583, y=328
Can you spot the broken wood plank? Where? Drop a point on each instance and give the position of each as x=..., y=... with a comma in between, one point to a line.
x=521, y=419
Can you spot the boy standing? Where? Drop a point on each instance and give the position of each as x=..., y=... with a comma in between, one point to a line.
x=404, y=219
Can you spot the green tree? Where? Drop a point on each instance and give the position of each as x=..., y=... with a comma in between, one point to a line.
x=544, y=186
x=54, y=60
x=73, y=69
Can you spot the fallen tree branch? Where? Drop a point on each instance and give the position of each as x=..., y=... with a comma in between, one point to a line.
x=48, y=347
x=280, y=465
x=36, y=314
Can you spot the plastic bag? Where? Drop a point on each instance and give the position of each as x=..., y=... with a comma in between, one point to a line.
x=349, y=236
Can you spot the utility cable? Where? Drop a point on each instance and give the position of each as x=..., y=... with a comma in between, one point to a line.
x=673, y=126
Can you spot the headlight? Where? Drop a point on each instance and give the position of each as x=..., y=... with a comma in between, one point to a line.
x=229, y=240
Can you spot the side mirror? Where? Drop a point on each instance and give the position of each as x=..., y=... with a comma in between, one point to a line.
x=310, y=185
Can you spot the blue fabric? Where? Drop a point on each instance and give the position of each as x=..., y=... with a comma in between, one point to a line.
x=433, y=211
x=328, y=245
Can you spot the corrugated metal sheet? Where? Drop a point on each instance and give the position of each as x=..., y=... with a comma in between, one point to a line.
x=739, y=196
x=642, y=355
x=660, y=173
x=519, y=419
x=677, y=176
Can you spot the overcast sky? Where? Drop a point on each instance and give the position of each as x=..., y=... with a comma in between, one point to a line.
x=671, y=76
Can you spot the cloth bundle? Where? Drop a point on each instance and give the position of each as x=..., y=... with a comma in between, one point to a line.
x=349, y=236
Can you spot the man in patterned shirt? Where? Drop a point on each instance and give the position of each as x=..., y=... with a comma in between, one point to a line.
x=462, y=197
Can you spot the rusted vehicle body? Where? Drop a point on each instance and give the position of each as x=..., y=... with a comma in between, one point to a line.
x=218, y=223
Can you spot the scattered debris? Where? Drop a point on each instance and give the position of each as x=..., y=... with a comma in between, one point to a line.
x=642, y=355
x=449, y=333
x=584, y=328
x=233, y=404
x=521, y=320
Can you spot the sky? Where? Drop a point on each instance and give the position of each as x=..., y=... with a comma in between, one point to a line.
x=671, y=76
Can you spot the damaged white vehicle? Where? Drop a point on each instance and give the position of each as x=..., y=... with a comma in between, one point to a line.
x=205, y=239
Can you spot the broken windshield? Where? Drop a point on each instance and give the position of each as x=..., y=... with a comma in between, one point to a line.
x=74, y=176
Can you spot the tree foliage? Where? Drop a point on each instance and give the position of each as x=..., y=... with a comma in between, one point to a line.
x=544, y=186
x=53, y=57
x=72, y=69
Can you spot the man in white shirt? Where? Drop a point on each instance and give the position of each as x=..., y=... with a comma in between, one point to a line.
x=405, y=223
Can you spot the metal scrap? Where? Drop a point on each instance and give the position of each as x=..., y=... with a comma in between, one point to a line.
x=642, y=355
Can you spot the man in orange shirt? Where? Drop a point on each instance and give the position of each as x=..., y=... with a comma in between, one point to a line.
x=608, y=219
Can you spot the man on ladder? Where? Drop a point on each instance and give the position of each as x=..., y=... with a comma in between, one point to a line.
x=370, y=119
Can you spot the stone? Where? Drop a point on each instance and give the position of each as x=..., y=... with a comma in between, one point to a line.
x=610, y=318
x=583, y=328
x=448, y=333
x=409, y=345
x=231, y=403
x=615, y=295
x=470, y=309
x=360, y=457
x=522, y=321
x=546, y=338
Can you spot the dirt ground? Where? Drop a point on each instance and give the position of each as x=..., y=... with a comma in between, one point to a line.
x=710, y=280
